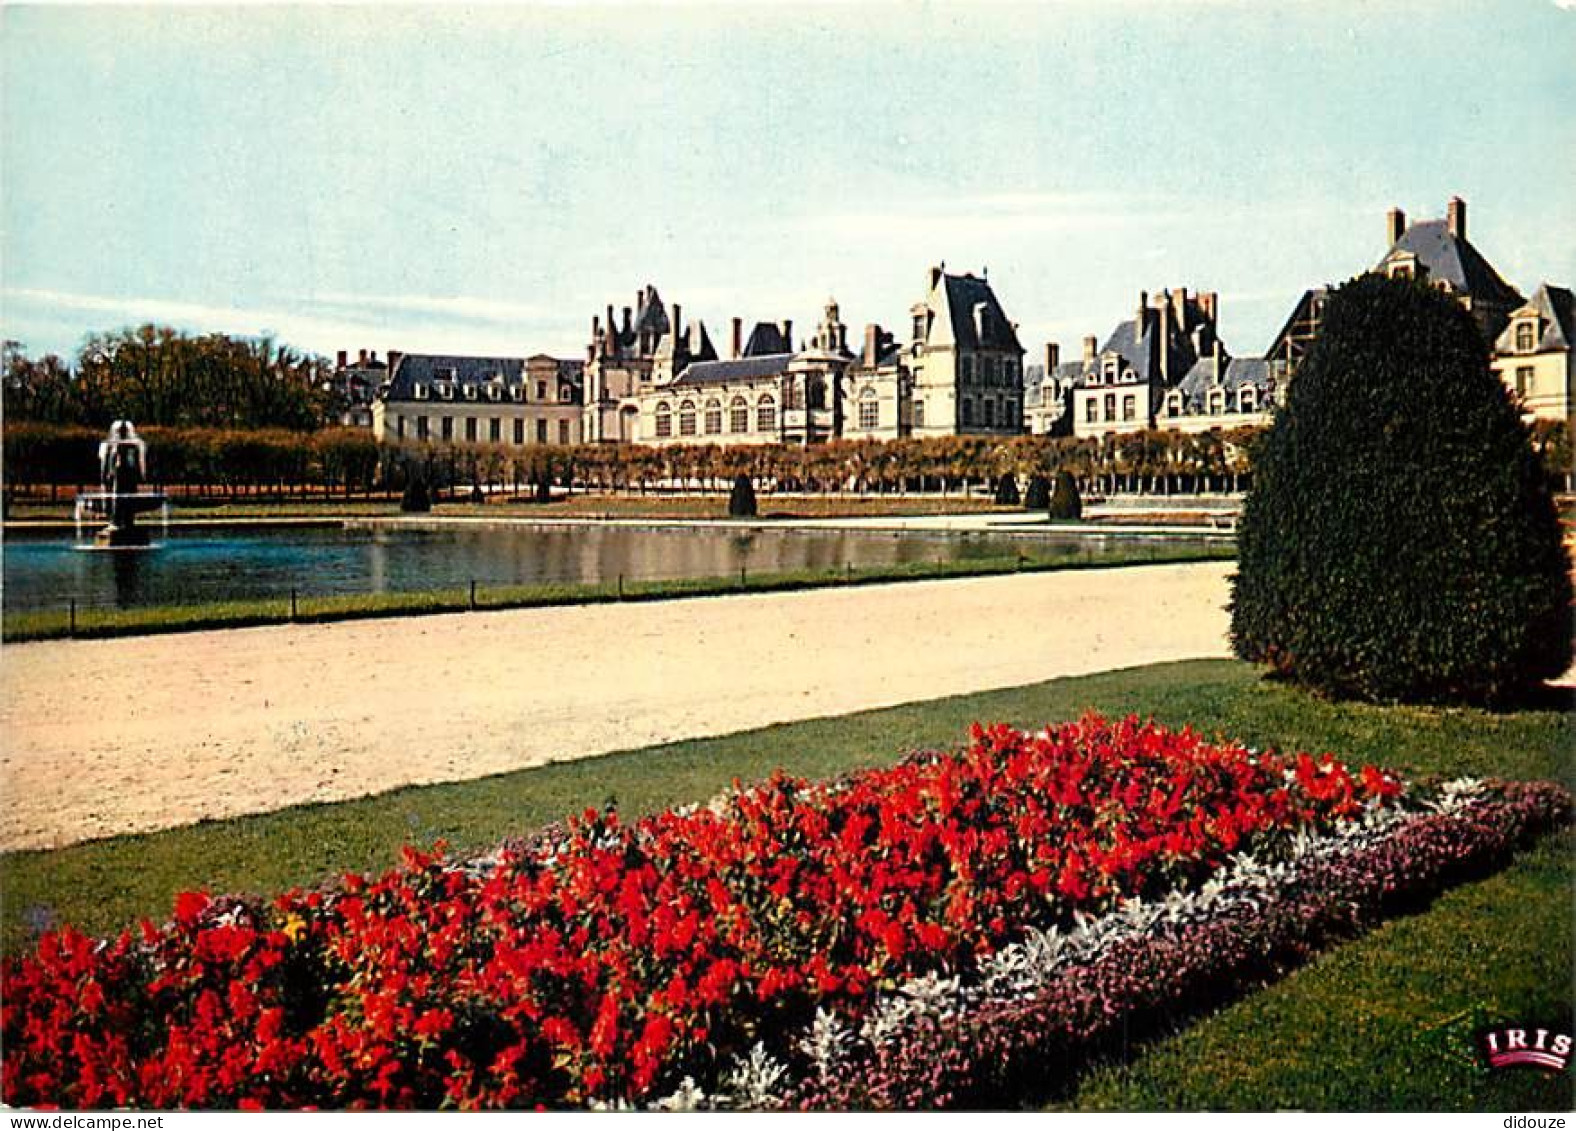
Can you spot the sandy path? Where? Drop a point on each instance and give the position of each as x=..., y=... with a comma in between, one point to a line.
x=113, y=736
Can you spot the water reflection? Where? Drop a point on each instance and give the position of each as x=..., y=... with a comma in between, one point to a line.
x=196, y=566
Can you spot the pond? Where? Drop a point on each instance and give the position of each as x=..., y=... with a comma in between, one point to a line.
x=197, y=565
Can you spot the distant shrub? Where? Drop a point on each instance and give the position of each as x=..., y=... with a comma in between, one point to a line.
x=741, y=503
x=1400, y=541
x=417, y=497
x=1007, y=490
x=1065, y=502
x=1037, y=496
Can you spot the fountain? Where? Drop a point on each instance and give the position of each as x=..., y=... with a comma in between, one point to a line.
x=123, y=457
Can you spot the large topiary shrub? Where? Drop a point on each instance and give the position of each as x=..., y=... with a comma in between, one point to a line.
x=1037, y=496
x=1007, y=490
x=741, y=502
x=1399, y=541
x=1066, y=504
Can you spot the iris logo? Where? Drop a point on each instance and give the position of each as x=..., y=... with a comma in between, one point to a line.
x=1536, y=1048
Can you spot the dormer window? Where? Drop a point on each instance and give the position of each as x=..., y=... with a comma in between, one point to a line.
x=566, y=393
x=1108, y=371
x=1217, y=403
x=446, y=391
x=1174, y=404
x=494, y=393
x=1526, y=335
x=1128, y=377
x=419, y=391
x=517, y=392
x=470, y=392
x=541, y=390
x=1247, y=401
x=446, y=373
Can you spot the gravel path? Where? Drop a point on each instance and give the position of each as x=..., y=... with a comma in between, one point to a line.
x=113, y=736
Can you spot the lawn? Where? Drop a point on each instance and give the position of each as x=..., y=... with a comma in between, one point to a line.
x=1384, y=1022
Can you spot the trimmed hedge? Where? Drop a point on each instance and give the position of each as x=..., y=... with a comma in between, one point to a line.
x=1400, y=541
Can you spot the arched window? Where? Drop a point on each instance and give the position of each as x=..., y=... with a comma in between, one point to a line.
x=713, y=416
x=738, y=415
x=687, y=418
x=1525, y=332
x=1217, y=403
x=766, y=414
x=869, y=408
x=664, y=420
x=1247, y=400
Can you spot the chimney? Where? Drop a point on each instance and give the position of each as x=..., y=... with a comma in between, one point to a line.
x=342, y=355
x=1089, y=348
x=1053, y=357
x=361, y=357
x=626, y=319
x=1395, y=225
x=738, y=337
x=1456, y=217
x=1179, y=306
x=1206, y=303
x=1218, y=354
x=1166, y=308
x=640, y=302
x=872, y=345
x=1139, y=320
x=842, y=338
x=612, y=326
x=678, y=323
x=935, y=277
x=788, y=333
x=394, y=356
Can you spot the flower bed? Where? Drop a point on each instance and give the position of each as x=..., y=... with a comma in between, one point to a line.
x=606, y=963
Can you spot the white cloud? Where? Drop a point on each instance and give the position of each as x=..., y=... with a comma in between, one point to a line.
x=329, y=323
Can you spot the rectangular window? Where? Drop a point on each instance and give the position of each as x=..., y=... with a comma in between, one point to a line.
x=968, y=411
x=869, y=414
x=421, y=428
x=1524, y=332
x=1523, y=380
x=541, y=390
x=448, y=428
x=494, y=429
x=968, y=371
x=919, y=414
x=664, y=425
x=541, y=431
x=399, y=427
x=739, y=418
x=519, y=430
x=470, y=429
x=1092, y=410
x=766, y=418
x=990, y=414
x=1129, y=407
x=563, y=432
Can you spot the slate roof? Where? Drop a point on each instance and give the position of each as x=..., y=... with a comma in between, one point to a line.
x=1454, y=259
x=766, y=338
x=963, y=293
x=740, y=369
x=1239, y=372
x=424, y=367
x=1556, y=306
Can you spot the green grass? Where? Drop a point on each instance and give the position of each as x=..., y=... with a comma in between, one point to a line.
x=1352, y=1030
x=54, y=624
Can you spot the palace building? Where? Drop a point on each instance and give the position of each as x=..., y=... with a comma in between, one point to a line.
x=450, y=399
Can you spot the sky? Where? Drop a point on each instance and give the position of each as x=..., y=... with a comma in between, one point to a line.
x=486, y=179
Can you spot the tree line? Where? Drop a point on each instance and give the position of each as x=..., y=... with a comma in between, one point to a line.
x=161, y=377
